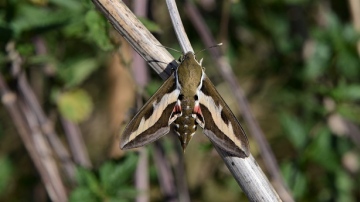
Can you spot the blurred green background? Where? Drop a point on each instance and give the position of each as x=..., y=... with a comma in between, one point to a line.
x=297, y=60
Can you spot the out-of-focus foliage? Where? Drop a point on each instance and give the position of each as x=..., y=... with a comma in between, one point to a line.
x=297, y=61
x=111, y=184
x=75, y=105
x=5, y=173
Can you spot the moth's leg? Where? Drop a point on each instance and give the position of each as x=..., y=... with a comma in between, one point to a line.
x=176, y=112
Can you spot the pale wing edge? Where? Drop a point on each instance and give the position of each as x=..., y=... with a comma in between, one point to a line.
x=151, y=122
x=221, y=125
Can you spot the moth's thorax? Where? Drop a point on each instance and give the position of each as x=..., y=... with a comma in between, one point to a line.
x=189, y=74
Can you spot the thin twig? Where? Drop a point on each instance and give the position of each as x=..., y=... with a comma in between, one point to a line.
x=28, y=95
x=179, y=170
x=9, y=100
x=226, y=71
x=165, y=175
x=353, y=130
x=142, y=176
x=46, y=126
x=76, y=143
x=141, y=76
x=144, y=43
x=72, y=131
x=45, y=153
x=355, y=13
x=176, y=21
x=139, y=68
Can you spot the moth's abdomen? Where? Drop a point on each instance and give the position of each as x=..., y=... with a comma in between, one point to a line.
x=185, y=125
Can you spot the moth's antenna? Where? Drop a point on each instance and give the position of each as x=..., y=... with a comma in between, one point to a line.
x=219, y=44
x=169, y=48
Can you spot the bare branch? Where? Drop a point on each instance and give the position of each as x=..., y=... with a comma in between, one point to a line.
x=165, y=175
x=141, y=76
x=28, y=95
x=46, y=126
x=126, y=23
x=54, y=187
x=142, y=176
x=179, y=28
x=45, y=154
x=355, y=13
x=76, y=143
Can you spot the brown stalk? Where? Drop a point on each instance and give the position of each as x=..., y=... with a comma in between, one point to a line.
x=76, y=143
x=28, y=95
x=72, y=131
x=166, y=179
x=141, y=76
x=9, y=99
x=179, y=170
x=355, y=13
x=45, y=153
x=47, y=127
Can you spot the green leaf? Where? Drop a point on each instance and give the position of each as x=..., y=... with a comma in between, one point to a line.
x=294, y=177
x=75, y=105
x=294, y=130
x=77, y=71
x=5, y=173
x=153, y=86
x=69, y=4
x=350, y=111
x=322, y=151
x=32, y=17
x=348, y=64
x=347, y=92
x=317, y=63
x=88, y=180
x=97, y=30
x=81, y=194
x=345, y=185
x=113, y=176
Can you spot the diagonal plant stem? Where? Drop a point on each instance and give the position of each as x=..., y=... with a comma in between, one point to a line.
x=44, y=150
x=76, y=143
x=46, y=126
x=53, y=186
x=228, y=75
x=141, y=76
x=179, y=170
x=29, y=96
x=165, y=175
x=143, y=42
x=71, y=129
x=354, y=6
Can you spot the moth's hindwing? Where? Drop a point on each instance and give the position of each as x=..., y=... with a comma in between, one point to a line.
x=221, y=126
x=152, y=121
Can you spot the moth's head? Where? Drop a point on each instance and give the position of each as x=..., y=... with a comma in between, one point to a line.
x=191, y=56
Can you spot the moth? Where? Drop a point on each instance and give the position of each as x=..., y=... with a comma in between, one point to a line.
x=185, y=100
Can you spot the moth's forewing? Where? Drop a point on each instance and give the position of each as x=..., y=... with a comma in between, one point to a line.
x=221, y=126
x=152, y=121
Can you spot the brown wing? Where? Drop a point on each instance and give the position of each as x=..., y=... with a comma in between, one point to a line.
x=152, y=121
x=221, y=126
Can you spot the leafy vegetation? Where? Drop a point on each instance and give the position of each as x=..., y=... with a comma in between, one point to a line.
x=112, y=184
